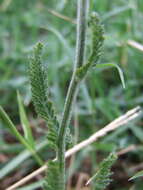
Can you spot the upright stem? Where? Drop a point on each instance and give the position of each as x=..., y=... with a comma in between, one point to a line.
x=82, y=11
x=79, y=59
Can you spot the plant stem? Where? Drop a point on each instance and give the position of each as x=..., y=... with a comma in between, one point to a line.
x=82, y=11
x=79, y=60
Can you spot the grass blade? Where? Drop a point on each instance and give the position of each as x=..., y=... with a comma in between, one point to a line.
x=19, y=159
x=24, y=121
x=138, y=174
x=116, y=12
x=32, y=186
x=9, y=124
x=117, y=67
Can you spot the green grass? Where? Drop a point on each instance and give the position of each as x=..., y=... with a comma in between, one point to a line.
x=101, y=98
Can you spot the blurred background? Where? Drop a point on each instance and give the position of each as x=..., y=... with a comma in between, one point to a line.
x=101, y=97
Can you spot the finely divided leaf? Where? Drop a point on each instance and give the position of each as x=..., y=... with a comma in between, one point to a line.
x=102, y=177
x=52, y=180
x=40, y=95
x=97, y=33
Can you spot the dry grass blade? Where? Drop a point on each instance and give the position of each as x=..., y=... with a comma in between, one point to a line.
x=82, y=178
x=55, y=13
x=135, y=44
x=127, y=149
x=122, y=120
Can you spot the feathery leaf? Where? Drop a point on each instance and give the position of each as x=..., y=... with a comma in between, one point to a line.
x=40, y=95
x=102, y=177
x=52, y=180
x=97, y=31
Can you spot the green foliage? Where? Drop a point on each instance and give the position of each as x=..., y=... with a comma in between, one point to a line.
x=20, y=158
x=102, y=177
x=97, y=33
x=44, y=108
x=121, y=75
x=21, y=27
x=52, y=177
x=40, y=96
x=24, y=121
x=69, y=138
x=137, y=175
x=4, y=118
x=9, y=124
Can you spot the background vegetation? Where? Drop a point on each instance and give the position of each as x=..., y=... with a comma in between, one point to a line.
x=101, y=98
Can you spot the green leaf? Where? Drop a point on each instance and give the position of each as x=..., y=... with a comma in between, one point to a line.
x=102, y=177
x=11, y=165
x=24, y=121
x=117, y=67
x=138, y=174
x=32, y=186
x=40, y=95
x=9, y=124
x=116, y=12
x=52, y=179
x=137, y=131
x=97, y=39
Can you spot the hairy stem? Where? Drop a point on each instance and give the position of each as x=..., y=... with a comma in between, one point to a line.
x=79, y=59
x=82, y=11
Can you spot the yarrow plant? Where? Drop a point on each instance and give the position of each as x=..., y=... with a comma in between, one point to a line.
x=57, y=130
x=58, y=133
